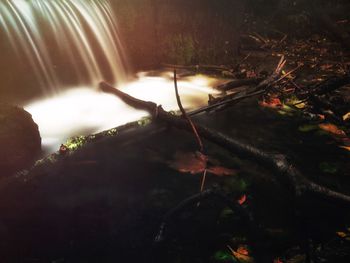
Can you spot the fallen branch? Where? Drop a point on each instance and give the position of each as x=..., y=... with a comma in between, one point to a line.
x=325, y=87
x=194, y=129
x=278, y=162
x=196, y=68
x=260, y=89
x=238, y=83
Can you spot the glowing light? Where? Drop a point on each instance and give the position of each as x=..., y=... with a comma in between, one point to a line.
x=84, y=110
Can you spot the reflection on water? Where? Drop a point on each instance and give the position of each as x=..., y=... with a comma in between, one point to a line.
x=84, y=110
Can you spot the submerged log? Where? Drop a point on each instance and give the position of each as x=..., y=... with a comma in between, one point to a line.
x=278, y=162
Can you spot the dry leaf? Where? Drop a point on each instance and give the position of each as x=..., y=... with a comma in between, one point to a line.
x=242, y=200
x=241, y=254
x=243, y=251
x=341, y=234
x=195, y=163
x=333, y=129
x=345, y=147
x=346, y=117
x=189, y=162
x=271, y=103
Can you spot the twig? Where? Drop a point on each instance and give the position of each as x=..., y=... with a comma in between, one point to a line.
x=233, y=253
x=203, y=180
x=184, y=114
x=200, y=143
x=245, y=216
x=287, y=74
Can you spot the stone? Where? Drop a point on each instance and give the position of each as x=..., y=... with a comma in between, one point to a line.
x=20, y=141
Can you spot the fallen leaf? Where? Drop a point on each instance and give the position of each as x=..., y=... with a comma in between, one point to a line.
x=271, y=103
x=295, y=102
x=242, y=199
x=243, y=251
x=241, y=254
x=321, y=116
x=189, y=162
x=333, y=129
x=341, y=234
x=195, y=163
x=346, y=117
x=300, y=105
x=345, y=147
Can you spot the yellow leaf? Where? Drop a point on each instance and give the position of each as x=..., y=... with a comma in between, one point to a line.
x=300, y=105
x=345, y=147
x=341, y=234
x=346, y=117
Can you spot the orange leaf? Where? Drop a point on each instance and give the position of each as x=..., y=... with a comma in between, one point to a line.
x=195, y=163
x=271, y=103
x=242, y=200
x=321, y=116
x=346, y=117
x=341, y=234
x=243, y=251
x=242, y=254
x=345, y=147
x=333, y=129
x=189, y=162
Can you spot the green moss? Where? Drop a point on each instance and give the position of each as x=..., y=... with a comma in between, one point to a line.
x=144, y=121
x=180, y=49
x=112, y=132
x=73, y=144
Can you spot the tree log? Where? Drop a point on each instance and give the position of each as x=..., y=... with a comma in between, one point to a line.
x=196, y=68
x=238, y=83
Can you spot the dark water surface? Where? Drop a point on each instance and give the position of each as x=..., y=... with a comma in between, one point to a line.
x=105, y=202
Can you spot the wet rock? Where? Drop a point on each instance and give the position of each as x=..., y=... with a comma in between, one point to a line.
x=20, y=142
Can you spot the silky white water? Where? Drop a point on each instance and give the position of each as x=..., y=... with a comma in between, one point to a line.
x=81, y=35
x=84, y=110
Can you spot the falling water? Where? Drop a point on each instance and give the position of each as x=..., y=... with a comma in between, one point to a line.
x=82, y=33
x=80, y=38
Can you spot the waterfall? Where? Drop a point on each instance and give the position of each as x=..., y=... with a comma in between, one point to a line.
x=80, y=36
x=70, y=46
